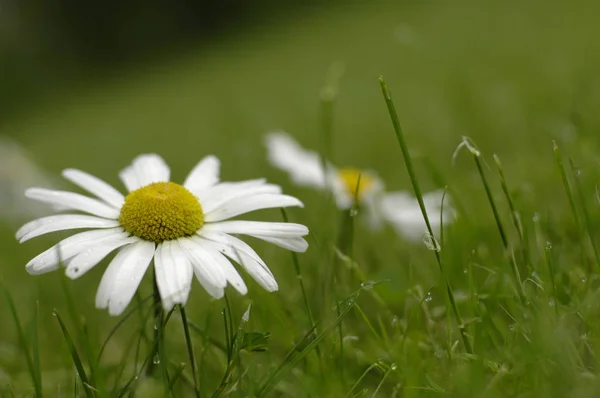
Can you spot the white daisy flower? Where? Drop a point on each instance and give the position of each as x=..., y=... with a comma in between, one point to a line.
x=184, y=228
x=400, y=209
x=306, y=169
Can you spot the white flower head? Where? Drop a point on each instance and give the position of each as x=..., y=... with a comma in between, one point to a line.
x=306, y=168
x=402, y=211
x=184, y=228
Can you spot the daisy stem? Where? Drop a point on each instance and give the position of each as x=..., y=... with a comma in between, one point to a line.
x=188, y=340
x=417, y=190
x=158, y=325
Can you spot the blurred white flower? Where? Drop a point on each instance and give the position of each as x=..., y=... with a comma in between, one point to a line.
x=18, y=172
x=185, y=229
x=399, y=209
x=402, y=211
x=306, y=168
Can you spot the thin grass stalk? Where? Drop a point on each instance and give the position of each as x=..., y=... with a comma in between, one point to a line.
x=419, y=196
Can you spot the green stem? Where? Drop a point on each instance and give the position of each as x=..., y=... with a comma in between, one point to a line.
x=158, y=325
x=188, y=340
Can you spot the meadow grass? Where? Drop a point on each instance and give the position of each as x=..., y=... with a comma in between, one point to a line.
x=496, y=103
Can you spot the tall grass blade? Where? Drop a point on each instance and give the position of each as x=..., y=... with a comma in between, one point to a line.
x=190, y=348
x=35, y=374
x=88, y=388
x=418, y=194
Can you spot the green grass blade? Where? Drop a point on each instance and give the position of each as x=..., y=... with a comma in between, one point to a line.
x=123, y=319
x=418, y=194
x=587, y=221
x=237, y=340
x=468, y=143
x=190, y=348
x=301, y=282
x=515, y=215
x=36, y=344
x=565, y=180
x=37, y=382
x=294, y=355
x=89, y=388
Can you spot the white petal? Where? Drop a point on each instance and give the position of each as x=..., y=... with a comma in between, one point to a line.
x=241, y=205
x=243, y=254
x=73, y=201
x=286, y=235
x=274, y=229
x=95, y=186
x=304, y=167
x=50, y=259
x=123, y=276
x=233, y=277
x=144, y=170
x=298, y=244
x=61, y=222
x=402, y=211
x=206, y=269
x=129, y=178
x=173, y=274
x=90, y=257
x=204, y=174
x=214, y=196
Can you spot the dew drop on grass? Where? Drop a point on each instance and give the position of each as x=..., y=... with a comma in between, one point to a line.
x=551, y=302
x=393, y=366
x=428, y=297
x=156, y=359
x=512, y=327
x=367, y=285
x=353, y=212
x=548, y=245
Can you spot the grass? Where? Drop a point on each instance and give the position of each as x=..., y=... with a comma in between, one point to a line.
x=516, y=308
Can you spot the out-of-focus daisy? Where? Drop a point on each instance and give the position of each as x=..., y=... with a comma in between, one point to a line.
x=184, y=228
x=400, y=209
x=306, y=168
x=17, y=172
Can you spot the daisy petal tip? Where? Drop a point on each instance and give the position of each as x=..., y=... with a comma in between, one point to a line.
x=242, y=290
x=168, y=306
x=218, y=294
x=68, y=172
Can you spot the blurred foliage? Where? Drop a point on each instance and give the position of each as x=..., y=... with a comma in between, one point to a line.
x=43, y=44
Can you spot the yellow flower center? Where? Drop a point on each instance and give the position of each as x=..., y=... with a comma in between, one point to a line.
x=161, y=211
x=354, y=187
